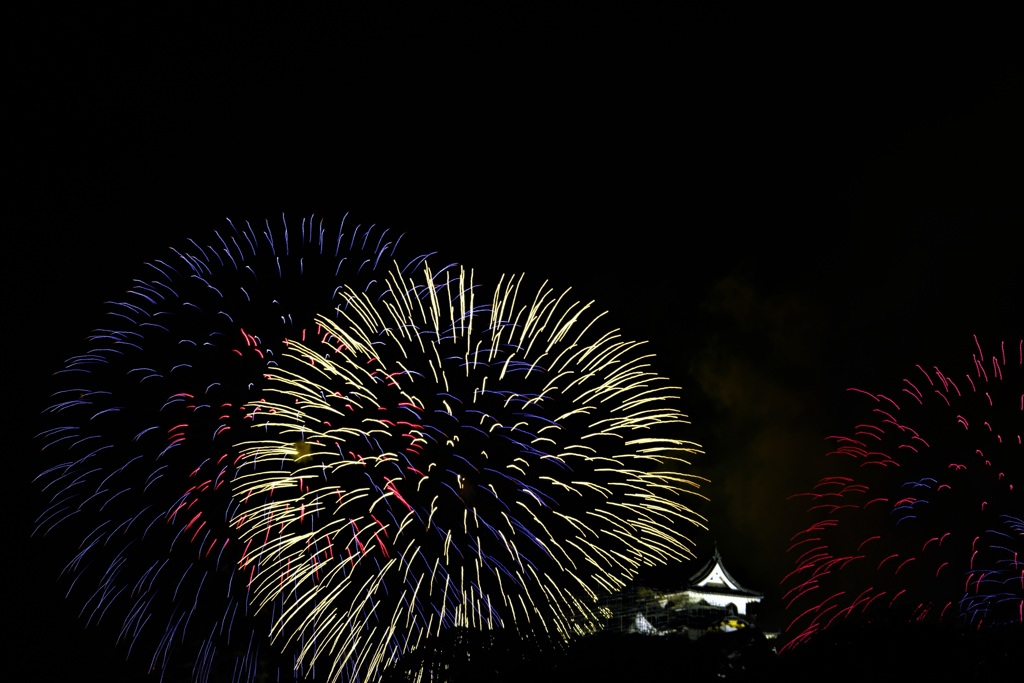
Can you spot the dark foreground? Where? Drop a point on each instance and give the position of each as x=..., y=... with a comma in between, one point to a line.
x=878, y=652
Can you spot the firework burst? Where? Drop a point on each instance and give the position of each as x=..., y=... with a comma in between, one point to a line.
x=147, y=419
x=922, y=516
x=434, y=461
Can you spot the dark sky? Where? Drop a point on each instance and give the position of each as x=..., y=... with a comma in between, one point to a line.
x=783, y=205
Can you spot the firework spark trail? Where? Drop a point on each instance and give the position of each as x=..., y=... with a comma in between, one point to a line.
x=431, y=462
x=922, y=514
x=147, y=419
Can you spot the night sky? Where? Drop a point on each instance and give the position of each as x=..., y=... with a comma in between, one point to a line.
x=784, y=206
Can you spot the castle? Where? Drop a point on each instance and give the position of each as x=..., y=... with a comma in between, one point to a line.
x=710, y=599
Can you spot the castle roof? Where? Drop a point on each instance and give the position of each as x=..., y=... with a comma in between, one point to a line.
x=713, y=578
